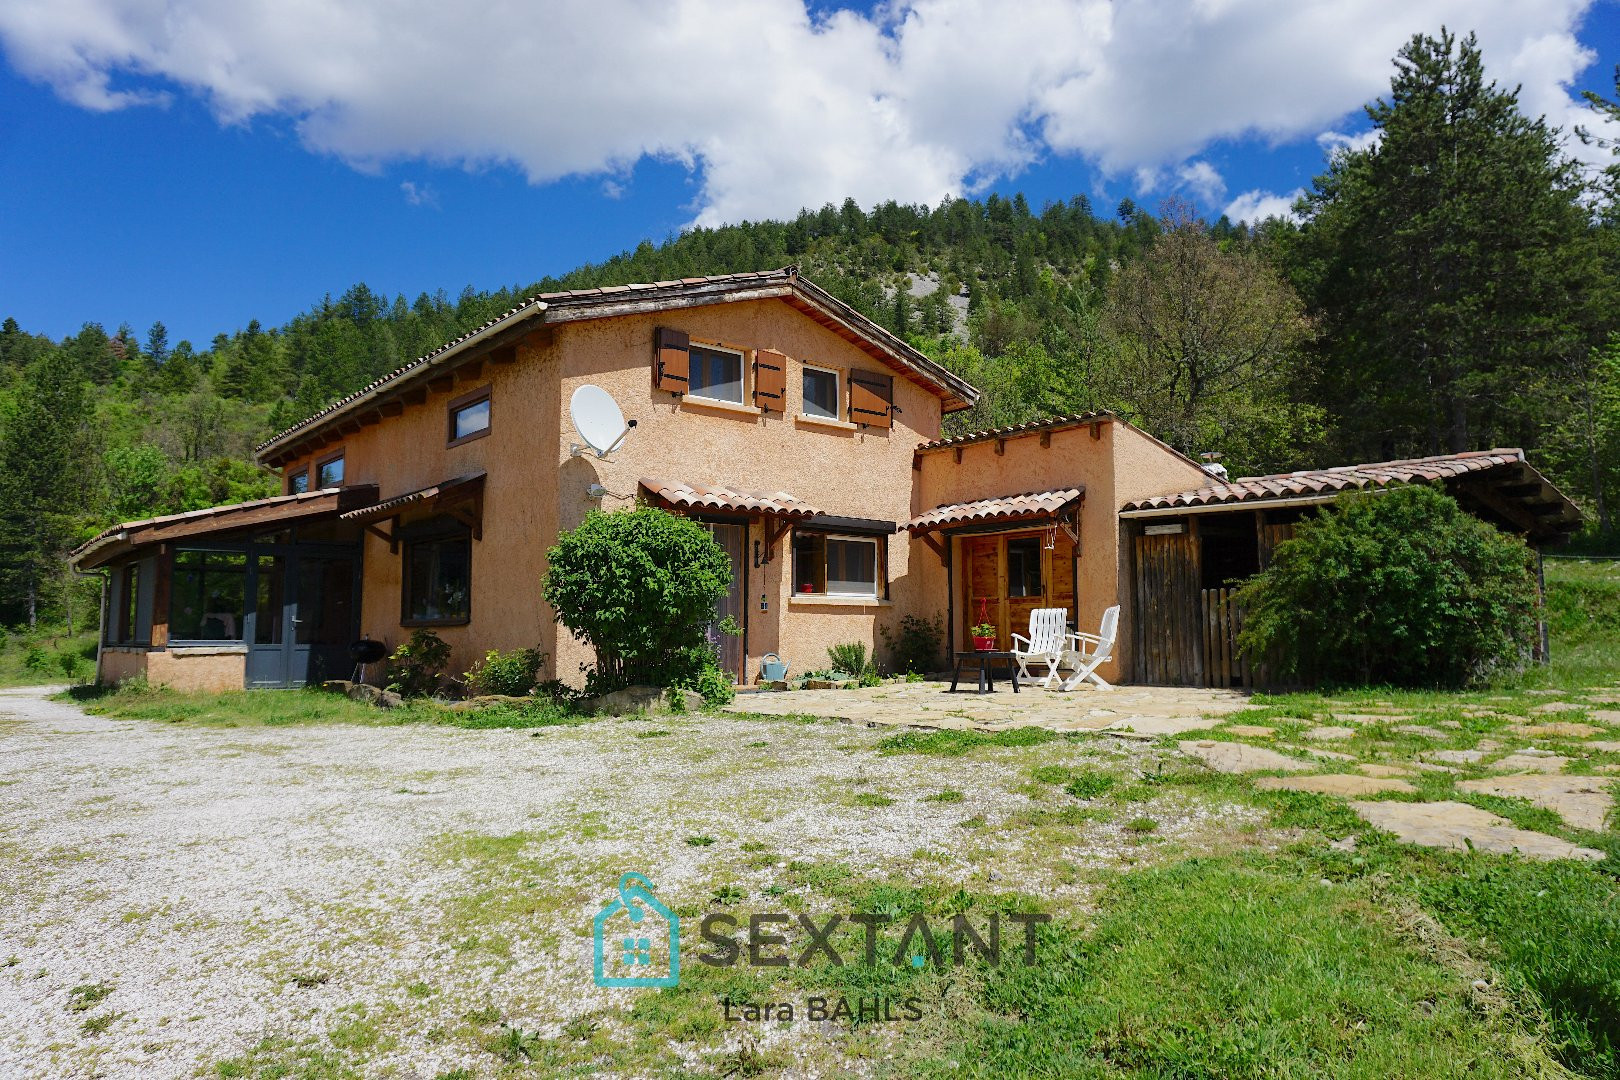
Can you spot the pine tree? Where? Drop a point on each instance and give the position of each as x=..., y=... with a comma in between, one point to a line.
x=1448, y=262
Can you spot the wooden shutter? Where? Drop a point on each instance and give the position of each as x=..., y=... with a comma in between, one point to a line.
x=770, y=380
x=871, y=399
x=672, y=360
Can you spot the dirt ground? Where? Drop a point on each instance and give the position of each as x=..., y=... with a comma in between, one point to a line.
x=179, y=896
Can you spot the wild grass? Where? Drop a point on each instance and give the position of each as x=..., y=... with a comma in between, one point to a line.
x=36, y=659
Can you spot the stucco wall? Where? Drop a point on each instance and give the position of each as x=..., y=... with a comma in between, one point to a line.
x=205, y=669
x=120, y=664
x=840, y=470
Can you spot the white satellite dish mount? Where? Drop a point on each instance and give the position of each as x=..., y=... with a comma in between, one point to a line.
x=598, y=421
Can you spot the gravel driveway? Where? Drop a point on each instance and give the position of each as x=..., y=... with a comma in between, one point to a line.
x=178, y=896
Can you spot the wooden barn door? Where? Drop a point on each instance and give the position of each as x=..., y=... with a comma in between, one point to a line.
x=1169, y=638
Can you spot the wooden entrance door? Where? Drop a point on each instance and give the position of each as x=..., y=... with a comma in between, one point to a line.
x=1009, y=575
x=734, y=540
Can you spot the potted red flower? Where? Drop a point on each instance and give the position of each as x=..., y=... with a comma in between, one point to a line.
x=984, y=636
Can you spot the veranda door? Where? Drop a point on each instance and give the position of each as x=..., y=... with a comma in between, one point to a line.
x=1009, y=575
x=304, y=615
x=733, y=539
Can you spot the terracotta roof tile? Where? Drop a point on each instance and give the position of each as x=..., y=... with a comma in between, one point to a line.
x=1309, y=482
x=714, y=497
x=1018, y=429
x=1003, y=508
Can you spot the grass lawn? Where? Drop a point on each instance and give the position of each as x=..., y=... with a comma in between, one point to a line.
x=28, y=659
x=1202, y=926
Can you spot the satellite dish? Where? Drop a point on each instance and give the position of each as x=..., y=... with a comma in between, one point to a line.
x=597, y=418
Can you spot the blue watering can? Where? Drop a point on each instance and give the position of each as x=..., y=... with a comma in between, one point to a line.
x=773, y=668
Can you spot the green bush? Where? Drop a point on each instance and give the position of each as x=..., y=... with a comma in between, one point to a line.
x=1400, y=588
x=415, y=667
x=713, y=683
x=915, y=646
x=510, y=673
x=641, y=587
x=851, y=659
x=35, y=658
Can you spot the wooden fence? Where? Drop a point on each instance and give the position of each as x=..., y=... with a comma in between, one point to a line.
x=1226, y=665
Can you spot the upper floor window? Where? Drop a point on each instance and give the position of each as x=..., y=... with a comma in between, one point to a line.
x=820, y=392
x=716, y=373
x=469, y=416
x=329, y=473
x=298, y=482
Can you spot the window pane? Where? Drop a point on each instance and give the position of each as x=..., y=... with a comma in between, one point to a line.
x=208, y=594
x=717, y=374
x=268, y=610
x=1024, y=567
x=332, y=473
x=852, y=567
x=438, y=580
x=127, y=614
x=298, y=482
x=809, y=563
x=820, y=393
x=471, y=419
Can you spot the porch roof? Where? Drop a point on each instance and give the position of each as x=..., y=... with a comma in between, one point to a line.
x=1033, y=504
x=698, y=497
x=1499, y=482
x=442, y=494
x=119, y=540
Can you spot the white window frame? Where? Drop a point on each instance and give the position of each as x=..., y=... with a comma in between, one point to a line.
x=742, y=372
x=838, y=393
x=877, y=564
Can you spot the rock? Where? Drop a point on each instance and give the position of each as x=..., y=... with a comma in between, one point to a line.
x=1531, y=761
x=1456, y=757
x=1556, y=706
x=1421, y=730
x=390, y=700
x=337, y=686
x=368, y=694
x=1384, y=771
x=1228, y=757
x=1251, y=731
x=1605, y=716
x=1583, y=801
x=642, y=699
x=774, y=687
x=820, y=684
x=1610, y=746
x=1365, y=718
x=1457, y=825
x=1344, y=784
x=1347, y=844
x=1561, y=730
x=1427, y=767
x=1331, y=733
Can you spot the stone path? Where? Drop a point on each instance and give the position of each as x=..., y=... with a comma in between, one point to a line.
x=1140, y=710
x=1460, y=826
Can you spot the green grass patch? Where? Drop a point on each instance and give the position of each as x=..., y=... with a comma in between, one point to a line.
x=958, y=743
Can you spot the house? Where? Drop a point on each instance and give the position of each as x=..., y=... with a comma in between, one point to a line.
x=806, y=438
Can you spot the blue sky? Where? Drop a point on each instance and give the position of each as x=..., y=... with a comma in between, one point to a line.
x=206, y=169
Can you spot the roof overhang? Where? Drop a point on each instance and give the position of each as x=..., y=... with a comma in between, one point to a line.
x=1009, y=510
x=499, y=338
x=713, y=498
x=122, y=539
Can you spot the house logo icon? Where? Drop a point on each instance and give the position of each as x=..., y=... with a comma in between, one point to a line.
x=638, y=939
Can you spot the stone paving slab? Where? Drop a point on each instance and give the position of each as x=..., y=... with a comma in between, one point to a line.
x=1582, y=801
x=1456, y=825
x=1531, y=761
x=1151, y=710
x=1384, y=771
x=1330, y=733
x=1231, y=757
x=1343, y=784
x=1560, y=730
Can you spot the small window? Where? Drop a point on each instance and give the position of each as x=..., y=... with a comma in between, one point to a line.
x=835, y=565
x=717, y=374
x=438, y=581
x=821, y=393
x=207, y=594
x=1024, y=567
x=298, y=482
x=469, y=417
x=329, y=473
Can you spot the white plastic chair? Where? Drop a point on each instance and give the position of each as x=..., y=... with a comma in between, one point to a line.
x=1087, y=652
x=1046, y=643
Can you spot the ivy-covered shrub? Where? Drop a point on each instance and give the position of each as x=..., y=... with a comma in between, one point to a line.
x=510, y=673
x=1401, y=588
x=915, y=647
x=641, y=586
x=415, y=667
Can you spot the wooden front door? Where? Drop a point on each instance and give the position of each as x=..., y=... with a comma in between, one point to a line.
x=1009, y=575
x=734, y=540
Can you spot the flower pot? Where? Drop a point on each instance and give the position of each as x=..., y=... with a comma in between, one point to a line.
x=984, y=644
x=807, y=588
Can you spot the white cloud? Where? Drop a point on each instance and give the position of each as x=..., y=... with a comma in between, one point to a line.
x=419, y=194
x=1331, y=141
x=1253, y=207
x=771, y=108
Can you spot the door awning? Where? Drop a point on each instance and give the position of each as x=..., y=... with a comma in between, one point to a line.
x=1030, y=506
x=461, y=497
x=696, y=498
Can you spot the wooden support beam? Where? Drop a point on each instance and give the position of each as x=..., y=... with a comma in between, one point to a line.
x=1511, y=512
x=1096, y=429
x=1001, y=447
x=1046, y=440
x=470, y=372
x=1518, y=491
x=937, y=547
x=442, y=382
x=416, y=395
x=959, y=455
x=775, y=529
x=391, y=408
x=1542, y=510
x=390, y=538
x=370, y=418
x=506, y=354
